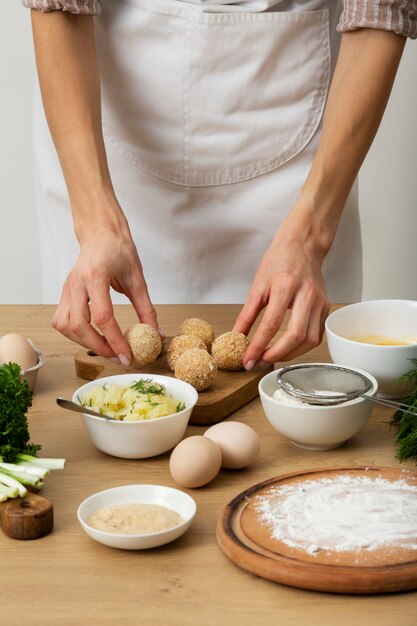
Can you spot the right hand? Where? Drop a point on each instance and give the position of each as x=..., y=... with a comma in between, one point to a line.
x=107, y=259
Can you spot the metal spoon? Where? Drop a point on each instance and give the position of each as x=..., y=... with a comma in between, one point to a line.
x=77, y=408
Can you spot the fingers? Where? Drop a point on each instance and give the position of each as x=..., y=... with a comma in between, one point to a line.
x=303, y=333
x=248, y=314
x=82, y=306
x=142, y=304
x=78, y=328
x=103, y=317
x=269, y=326
x=304, y=330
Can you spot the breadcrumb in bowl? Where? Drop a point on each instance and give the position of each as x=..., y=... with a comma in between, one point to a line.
x=179, y=345
x=196, y=367
x=145, y=344
x=198, y=327
x=228, y=350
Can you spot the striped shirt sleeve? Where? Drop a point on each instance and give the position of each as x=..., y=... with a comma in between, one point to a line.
x=399, y=16
x=82, y=7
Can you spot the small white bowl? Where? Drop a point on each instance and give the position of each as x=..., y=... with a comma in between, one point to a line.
x=388, y=318
x=315, y=427
x=31, y=374
x=140, y=439
x=168, y=497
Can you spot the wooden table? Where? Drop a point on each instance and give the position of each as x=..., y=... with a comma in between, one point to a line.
x=66, y=578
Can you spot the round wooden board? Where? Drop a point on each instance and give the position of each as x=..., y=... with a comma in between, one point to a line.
x=248, y=543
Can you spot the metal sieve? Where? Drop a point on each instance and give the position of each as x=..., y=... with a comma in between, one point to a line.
x=322, y=384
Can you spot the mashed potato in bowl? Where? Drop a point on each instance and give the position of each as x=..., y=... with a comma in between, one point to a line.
x=142, y=400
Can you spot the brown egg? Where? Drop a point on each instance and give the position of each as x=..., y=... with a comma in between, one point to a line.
x=238, y=442
x=145, y=344
x=17, y=349
x=195, y=461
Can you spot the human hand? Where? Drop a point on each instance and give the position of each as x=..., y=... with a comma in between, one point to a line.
x=289, y=277
x=107, y=259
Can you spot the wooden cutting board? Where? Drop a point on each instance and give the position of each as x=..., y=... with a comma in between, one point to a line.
x=249, y=544
x=230, y=391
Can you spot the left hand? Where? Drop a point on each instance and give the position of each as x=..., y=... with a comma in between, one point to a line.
x=289, y=277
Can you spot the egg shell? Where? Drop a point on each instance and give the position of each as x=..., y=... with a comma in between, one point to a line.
x=195, y=461
x=15, y=348
x=239, y=443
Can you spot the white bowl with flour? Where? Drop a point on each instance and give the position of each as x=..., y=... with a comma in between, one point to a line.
x=314, y=427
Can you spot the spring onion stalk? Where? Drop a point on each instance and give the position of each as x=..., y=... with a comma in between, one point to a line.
x=24, y=478
x=13, y=483
x=8, y=492
x=52, y=464
x=25, y=468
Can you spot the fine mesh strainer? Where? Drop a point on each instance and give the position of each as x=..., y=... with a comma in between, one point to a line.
x=322, y=384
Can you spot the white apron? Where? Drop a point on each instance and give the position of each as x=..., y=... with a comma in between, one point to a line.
x=211, y=117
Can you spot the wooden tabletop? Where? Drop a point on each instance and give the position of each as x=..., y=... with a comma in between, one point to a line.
x=67, y=578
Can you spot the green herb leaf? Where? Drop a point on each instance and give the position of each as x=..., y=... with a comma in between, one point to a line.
x=15, y=400
x=406, y=421
x=148, y=386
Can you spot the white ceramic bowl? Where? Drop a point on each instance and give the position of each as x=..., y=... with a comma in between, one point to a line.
x=140, y=439
x=315, y=427
x=168, y=497
x=31, y=374
x=389, y=318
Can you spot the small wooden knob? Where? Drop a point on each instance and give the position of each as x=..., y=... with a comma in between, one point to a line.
x=29, y=517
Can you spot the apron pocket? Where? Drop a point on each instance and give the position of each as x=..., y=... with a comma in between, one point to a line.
x=209, y=99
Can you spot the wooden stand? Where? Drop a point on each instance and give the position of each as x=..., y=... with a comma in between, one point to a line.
x=29, y=517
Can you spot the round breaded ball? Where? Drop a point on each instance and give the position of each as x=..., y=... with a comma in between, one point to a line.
x=196, y=367
x=198, y=327
x=228, y=350
x=145, y=344
x=180, y=344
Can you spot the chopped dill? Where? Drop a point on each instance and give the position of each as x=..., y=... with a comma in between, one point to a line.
x=152, y=403
x=180, y=406
x=406, y=421
x=148, y=386
x=87, y=403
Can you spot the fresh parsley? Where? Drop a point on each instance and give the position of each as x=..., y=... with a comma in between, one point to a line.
x=15, y=400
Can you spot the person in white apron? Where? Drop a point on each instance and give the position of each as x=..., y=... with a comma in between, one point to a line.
x=211, y=115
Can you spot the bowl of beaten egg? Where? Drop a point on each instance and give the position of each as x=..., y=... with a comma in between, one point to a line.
x=150, y=413
x=378, y=336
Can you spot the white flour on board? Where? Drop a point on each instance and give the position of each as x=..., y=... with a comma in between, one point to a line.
x=343, y=513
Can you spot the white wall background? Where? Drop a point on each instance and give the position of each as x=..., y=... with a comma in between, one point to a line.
x=388, y=179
